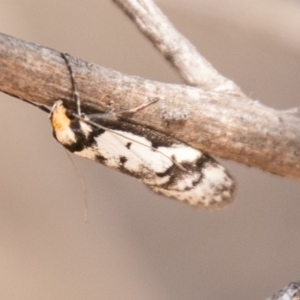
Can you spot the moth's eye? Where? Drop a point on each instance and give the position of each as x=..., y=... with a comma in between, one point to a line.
x=70, y=114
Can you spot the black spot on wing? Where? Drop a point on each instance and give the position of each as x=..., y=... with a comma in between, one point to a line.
x=123, y=160
x=176, y=174
x=192, y=170
x=128, y=145
x=101, y=159
x=197, y=181
x=200, y=163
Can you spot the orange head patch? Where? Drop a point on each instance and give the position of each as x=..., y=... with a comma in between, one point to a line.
x=58, y=116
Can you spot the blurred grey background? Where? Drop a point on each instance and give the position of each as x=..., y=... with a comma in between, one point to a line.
x=138, y=245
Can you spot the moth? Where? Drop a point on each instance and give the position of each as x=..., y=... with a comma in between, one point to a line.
x=164, y=164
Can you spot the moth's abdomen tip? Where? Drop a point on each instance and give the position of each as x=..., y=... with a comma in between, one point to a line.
x=219, y=187
x=221, y=195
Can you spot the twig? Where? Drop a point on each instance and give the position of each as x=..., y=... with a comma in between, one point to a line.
x=194, y=68
x=290, y=292
x=222, y=123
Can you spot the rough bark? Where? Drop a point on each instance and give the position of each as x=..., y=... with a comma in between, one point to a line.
x=223, y=123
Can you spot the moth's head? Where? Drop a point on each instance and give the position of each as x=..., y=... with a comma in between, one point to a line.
x=60, y=116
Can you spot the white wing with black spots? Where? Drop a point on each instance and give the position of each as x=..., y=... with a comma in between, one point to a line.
x=167, y=166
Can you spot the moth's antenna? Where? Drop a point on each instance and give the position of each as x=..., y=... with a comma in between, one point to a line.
x=83, y=187
x=42, y=107
x=65, y=56
x=75, y=94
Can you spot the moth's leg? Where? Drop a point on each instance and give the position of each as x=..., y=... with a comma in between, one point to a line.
x=114, y=115
x=134, y=110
